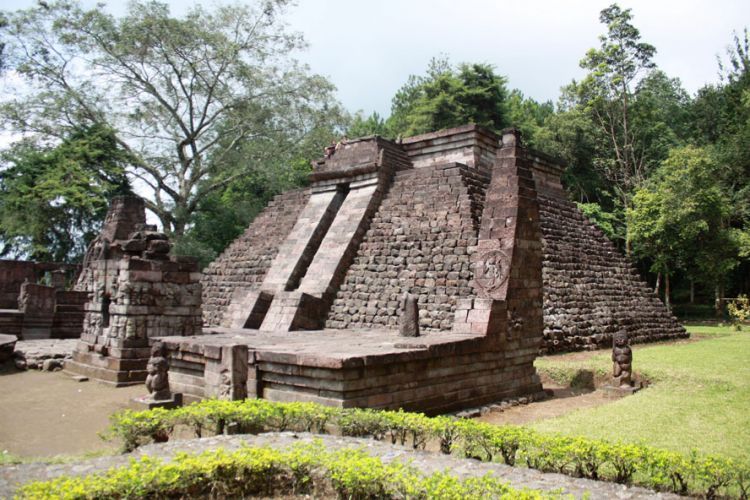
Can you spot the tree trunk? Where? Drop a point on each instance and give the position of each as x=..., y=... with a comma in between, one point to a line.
x=627, y=229
x=658, y=283
x=719, y=294
x=692, y=292
x=667, y=302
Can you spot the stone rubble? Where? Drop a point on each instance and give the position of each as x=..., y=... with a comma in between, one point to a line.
x=44, y=354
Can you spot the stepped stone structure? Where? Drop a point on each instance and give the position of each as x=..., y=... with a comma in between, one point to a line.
x=307, y=303
x=136, y=291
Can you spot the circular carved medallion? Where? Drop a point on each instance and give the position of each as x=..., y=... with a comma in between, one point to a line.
x=491, y=271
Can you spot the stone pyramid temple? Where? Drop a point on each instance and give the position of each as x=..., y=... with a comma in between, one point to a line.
x=307, y=303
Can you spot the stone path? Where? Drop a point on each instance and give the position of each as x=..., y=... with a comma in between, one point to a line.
x=425, y=461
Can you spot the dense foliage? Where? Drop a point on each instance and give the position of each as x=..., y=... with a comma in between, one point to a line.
x=53, y=199
x=182, y=96
x=581, y=457
x=301, y=470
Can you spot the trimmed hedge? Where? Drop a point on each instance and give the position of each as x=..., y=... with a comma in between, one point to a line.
x=263, y=471
x=624, y=463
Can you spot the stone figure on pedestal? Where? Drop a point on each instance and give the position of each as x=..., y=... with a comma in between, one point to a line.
x=157, y=380
x=622, y=359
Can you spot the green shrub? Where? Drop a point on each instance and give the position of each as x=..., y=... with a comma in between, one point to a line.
x=596, y=459
x=268, y=472
x=739, y=311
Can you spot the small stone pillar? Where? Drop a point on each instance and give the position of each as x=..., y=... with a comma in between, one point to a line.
x=226, y=376
x=57, y=279
x=37, y=303
x=409, y=322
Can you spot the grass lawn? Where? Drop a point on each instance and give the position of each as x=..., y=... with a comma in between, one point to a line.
x=699, y=399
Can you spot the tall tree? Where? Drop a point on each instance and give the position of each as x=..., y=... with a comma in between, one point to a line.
x=54, y=199
x=606, y=93
x=180, y=94
x=680, y=219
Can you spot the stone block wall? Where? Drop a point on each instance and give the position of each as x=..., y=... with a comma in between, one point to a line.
x=470, y=145
x=69, y=314
x=37, y=303
x=245, y=262
x=13, y=273
x=590, y=289
x=419, y=241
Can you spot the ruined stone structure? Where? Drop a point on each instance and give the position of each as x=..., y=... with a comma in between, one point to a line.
x=136, y=292
x=622, y=361
x=30, y=310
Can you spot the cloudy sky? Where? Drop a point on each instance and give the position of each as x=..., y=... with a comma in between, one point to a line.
x=368, y=48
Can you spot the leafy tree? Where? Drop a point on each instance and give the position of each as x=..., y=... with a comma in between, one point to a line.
x=720, y=121
x=179, y=94
x=527, y=115
x=274, y=164
x=54, y=199
x=571, y=135
x=448, y=97
x=606, y=93
x=606, y=221
x=372, y=125
x=679, y=219
x=3, y=24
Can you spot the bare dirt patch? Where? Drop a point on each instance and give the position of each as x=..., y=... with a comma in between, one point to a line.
x=564, y=400
x=46, y=414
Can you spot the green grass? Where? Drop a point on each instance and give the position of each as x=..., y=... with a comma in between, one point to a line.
x=700, y=398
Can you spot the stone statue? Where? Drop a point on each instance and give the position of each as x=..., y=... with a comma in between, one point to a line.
x=409, y=324
x=225, y=385
x=157, y=380
x=622, y=358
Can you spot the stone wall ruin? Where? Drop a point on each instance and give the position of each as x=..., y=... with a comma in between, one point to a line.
x=137, y=292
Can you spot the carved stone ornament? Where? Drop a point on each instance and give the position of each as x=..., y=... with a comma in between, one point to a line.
x=491, y=271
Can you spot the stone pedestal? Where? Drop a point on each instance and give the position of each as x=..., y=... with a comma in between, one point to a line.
x=616, y=392
x=147, y=403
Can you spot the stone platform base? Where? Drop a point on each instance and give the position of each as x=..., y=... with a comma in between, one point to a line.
x=146, y=403
x=612, y=392
x=434, y=373
x=119, y=372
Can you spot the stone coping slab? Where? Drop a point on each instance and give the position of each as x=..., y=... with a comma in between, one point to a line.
x=328, y=348
x=426, y=462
